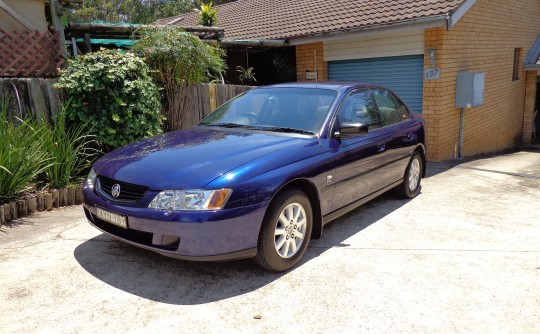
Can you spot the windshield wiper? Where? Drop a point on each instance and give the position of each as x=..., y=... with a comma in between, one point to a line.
x=227, y=125
x=286, y=130
x=263, y=128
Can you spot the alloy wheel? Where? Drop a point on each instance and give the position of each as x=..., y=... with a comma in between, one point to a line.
x=290, y=230
x=414, y=174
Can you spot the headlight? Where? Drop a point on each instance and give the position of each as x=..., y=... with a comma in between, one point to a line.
x=191, y=199
x=91, y=179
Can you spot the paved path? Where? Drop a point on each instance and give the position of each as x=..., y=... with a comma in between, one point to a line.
x=462, y=257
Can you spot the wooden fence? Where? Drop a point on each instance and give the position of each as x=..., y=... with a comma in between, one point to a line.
x=202, y=100
x=34, y=96
x=37, y=97
x=29, y=54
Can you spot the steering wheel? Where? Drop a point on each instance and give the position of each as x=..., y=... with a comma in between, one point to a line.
x=253, y=117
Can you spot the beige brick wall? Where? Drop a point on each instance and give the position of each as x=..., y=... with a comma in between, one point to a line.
x=482, y=41
x=306, y=57
x=433, y=95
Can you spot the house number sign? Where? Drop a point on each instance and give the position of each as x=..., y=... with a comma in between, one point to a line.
x=433, y=73
x=311, y=75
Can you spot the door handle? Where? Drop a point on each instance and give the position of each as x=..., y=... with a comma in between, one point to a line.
x=411, y=136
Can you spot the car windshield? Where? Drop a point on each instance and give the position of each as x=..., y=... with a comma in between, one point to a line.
x=294, y=110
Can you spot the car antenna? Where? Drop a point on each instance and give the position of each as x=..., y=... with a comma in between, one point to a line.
x=317, y=98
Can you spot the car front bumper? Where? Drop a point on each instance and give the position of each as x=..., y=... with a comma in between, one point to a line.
x=196, y=236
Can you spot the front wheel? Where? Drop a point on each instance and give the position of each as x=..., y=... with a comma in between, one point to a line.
x=285, y=232
x=413, y=175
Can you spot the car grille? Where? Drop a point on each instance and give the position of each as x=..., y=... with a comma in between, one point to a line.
x=140, y=237
x=129, y=193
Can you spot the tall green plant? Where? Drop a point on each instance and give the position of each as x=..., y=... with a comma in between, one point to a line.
x=114, y=92
x=178, y=59
x=208, y=15
x=71, y=150
x=22, y=156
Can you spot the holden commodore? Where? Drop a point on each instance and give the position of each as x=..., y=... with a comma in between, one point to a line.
x=261, y=175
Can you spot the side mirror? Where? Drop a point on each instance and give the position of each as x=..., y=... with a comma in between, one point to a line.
x=351, y=130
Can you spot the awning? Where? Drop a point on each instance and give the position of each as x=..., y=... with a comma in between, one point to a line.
x=121, y=43
x=532, y=61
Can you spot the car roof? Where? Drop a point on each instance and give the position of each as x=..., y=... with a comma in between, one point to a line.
x=321, y=85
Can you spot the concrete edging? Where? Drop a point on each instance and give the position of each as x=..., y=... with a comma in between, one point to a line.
x=55, y=198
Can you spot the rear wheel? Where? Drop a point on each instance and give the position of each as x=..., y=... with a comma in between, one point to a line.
x=413, y=176
x=285, y=232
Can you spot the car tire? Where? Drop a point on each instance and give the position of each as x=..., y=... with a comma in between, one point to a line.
x=410, y=187
x=288, y=217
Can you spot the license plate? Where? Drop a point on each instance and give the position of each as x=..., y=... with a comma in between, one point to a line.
x=112, y=218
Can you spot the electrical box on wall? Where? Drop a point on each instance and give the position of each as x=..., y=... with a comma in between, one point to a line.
x=470, y=89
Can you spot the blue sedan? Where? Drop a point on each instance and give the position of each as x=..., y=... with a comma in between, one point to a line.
x=261, y=175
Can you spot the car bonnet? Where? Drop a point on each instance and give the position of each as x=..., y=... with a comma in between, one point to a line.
x=188, y=159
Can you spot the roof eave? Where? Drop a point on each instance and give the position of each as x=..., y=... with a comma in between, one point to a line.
x=531, y=62
x=422, y=23
x=456, y=14
x=535, y=67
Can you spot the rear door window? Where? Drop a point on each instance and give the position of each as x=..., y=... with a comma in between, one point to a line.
x=388, y=108
x=359, y=107
x=402, y=108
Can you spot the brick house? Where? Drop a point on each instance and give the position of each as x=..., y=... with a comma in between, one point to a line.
x=416, y=48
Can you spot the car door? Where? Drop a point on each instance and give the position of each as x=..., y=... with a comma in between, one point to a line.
x=402, y=134
x=358, y=158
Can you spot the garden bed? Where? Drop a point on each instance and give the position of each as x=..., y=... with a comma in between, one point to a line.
x=40, y=202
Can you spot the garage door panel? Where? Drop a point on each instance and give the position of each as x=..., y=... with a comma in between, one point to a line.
x=403, y=75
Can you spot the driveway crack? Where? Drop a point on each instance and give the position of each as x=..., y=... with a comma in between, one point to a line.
x=527, y=176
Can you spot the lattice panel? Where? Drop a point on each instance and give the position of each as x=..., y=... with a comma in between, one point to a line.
x=29, y=54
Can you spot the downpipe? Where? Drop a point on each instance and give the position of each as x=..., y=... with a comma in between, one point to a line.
x=461, y=130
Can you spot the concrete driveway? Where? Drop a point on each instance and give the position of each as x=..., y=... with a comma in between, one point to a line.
x=462, y=257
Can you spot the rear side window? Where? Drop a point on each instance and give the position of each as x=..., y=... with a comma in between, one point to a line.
x=359, y=107
x=388, y=108
x=402, y=108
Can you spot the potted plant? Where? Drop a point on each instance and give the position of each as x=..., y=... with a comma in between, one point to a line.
x=247, y=76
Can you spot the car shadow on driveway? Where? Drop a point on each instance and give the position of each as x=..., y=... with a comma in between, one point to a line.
x=159, y=278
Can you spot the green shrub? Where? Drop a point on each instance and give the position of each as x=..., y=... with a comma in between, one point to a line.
x=71, y=150
x=178, y=59
x=22, y=155
x=113, y=92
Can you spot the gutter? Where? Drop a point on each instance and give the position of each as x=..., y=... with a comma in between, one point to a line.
x=272, y=43
x=422, y=23
x=532, y=67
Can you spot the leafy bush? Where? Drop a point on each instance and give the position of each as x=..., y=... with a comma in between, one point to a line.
x=178, y=59
x=70, y=149
x=22, y=154
x=113, y=92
